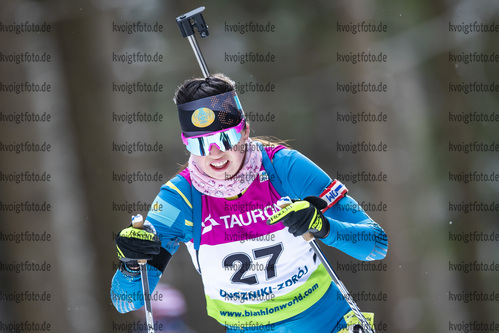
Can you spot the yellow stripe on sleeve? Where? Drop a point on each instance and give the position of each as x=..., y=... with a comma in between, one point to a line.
x=170, y=184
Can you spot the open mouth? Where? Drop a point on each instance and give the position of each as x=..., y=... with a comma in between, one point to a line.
x=219, y=165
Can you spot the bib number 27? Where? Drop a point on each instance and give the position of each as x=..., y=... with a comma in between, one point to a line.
x=243, y=263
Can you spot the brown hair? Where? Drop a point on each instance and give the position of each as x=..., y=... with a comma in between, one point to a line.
x=197, y=88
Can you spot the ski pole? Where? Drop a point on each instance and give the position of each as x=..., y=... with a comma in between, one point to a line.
x=187, y=22
x=138, y=223
x=365, y=324
x=283, y=202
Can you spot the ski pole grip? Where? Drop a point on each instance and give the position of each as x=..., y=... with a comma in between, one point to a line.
x=193, y=19
x=138, y=223
x=308, y=236
x=286, y=201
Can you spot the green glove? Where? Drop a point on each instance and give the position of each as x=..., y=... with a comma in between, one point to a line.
x=135, y=244
x=303, y=216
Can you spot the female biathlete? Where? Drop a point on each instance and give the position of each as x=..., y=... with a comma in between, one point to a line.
x=258, y=274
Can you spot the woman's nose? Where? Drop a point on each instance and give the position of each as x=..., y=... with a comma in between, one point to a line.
x=215, y=151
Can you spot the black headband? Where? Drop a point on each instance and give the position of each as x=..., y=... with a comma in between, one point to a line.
x=210, y=114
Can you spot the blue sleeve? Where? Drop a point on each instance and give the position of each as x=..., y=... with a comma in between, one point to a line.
x=352, y=231
x=171, y=213
x=126, y=291
x=171, y=216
